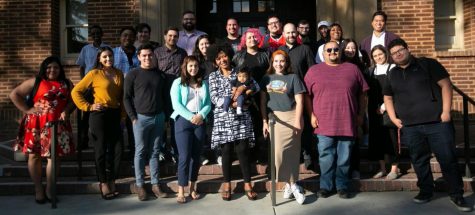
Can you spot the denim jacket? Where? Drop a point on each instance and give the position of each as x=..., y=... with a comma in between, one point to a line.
x=179, y=96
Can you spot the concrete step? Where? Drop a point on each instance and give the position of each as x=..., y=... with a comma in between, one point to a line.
x=212, y=184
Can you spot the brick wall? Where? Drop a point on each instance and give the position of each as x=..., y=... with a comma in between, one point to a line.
x=412, y=20
x=112, y=15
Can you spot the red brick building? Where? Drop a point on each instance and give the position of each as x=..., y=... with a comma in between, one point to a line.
x=34, y=29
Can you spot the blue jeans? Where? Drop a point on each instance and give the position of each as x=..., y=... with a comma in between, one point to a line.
x=148, y=131
x=334, y=157
x=437, y=138
x=189, y=140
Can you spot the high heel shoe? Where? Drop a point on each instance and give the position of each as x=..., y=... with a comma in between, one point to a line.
x=107, y=196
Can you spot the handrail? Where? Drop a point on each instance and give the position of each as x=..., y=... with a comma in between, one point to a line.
x=461, y=93
x=466, y=130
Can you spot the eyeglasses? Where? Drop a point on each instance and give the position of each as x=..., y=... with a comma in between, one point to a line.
x=329, y=50
x=273, y=23
x=400, y=51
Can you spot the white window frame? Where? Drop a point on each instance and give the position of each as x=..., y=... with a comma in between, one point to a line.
x=68, y=57
x=458, y=43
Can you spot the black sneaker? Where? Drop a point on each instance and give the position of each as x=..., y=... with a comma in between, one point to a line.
x=460, y=203
x=322, y=193
x=422, y=198
x=343, y=194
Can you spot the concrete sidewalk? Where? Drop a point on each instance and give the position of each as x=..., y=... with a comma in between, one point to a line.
x=380, y=203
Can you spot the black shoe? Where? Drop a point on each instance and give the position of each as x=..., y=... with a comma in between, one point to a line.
x=343, y=194
x=322, y=193
x=460, y=203
x=422, y=198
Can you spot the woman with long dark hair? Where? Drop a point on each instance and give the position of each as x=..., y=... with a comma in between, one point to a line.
x=191, y=105
x=106, y=84
x=50, y=103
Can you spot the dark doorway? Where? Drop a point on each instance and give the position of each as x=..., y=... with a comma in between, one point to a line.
x=212, y=14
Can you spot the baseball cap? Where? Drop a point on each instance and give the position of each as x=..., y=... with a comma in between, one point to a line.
x=326, y=23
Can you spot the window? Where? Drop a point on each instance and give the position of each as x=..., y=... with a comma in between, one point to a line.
x=214, y=9
x=265, y=6
x=241, y=6
x=448, y=24
x=74, y=32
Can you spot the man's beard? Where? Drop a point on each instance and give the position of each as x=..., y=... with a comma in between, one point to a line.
x=189, y=27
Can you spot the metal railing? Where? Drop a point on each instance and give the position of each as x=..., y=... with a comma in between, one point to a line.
x=466, y=129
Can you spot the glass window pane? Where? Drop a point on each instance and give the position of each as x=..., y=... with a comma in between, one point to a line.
x=265, y=5
x=214, y=10
x=236, y=6
x=76, y=38
x=76, y=12
x=245, y=7
x=444, y=8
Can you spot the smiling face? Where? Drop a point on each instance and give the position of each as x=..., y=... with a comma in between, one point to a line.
x=232, y=27
x=303, y=29
x=336, y=33
x=192, y=68
x=279, y=64
x=331, y=53
x=189, y=22
x=350, y=50
x=107, y=59
x=143, y=36
x=146, y=58
x=274, y=26
x=378, y=23
x=203, y=44
x=379, y=57
x=251, y=40
x=290, y=34
x=222, y=61
x=127, y=38
x=171, y=38
x=400, y=55
x=52, y=71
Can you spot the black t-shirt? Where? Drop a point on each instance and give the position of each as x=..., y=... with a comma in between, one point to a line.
x=417, y=96
x=252, y=63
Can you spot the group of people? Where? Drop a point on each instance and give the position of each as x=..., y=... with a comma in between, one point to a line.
x=221, y=95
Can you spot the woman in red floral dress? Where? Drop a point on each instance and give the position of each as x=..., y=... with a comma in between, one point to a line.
x=52, y=102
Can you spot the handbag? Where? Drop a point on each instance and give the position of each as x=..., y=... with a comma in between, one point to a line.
x=387, y=121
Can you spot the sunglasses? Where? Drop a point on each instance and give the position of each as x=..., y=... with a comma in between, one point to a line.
x=329, y=50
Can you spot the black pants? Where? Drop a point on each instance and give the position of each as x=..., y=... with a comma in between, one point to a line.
x=106, y=136
x=437, y=138
x=242, y=150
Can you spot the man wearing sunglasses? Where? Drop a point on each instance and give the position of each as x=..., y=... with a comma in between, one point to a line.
x=418, y=99
x=336, y=104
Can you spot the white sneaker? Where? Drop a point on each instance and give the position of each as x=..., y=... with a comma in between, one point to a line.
x=287, y=191
x=297, y=191
x=239, y=111
x=219, y=160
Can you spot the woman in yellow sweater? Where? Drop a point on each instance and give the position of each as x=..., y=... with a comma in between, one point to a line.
x=106, y=84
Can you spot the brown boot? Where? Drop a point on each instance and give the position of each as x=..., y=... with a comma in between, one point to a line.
x=142, y=194
x=158, y=191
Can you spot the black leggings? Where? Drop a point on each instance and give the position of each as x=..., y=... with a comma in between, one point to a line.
x=106, y=136
x=242, y=150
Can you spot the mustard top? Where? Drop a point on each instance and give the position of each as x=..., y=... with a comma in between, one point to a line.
x=106, y=91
